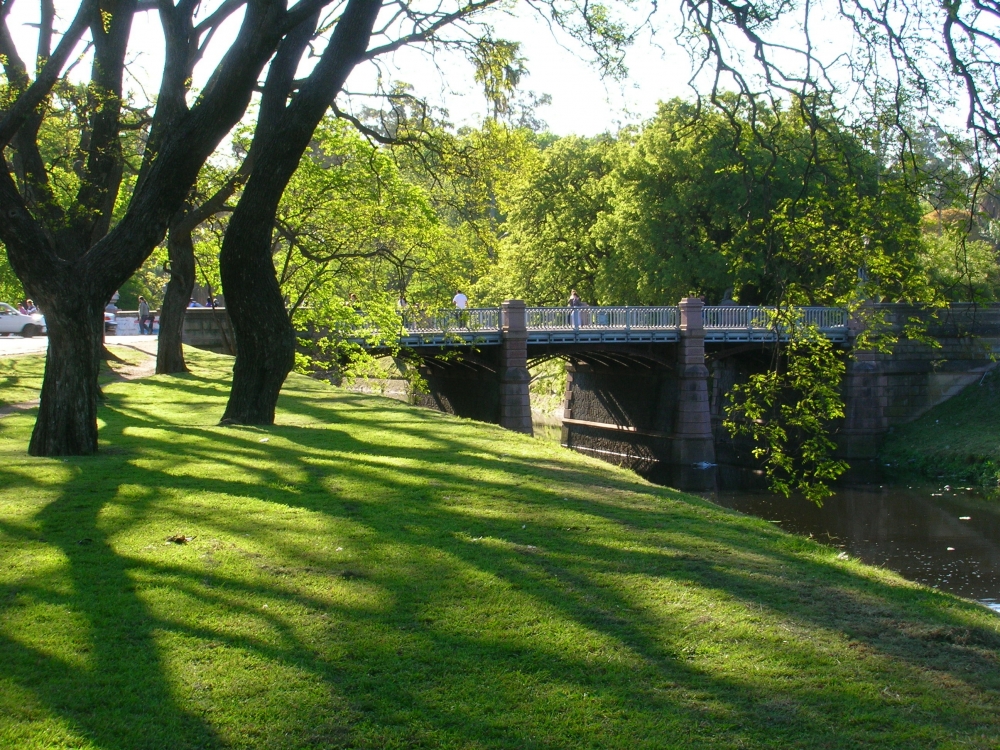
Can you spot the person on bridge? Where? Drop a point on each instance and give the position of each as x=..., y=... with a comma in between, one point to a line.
x=461, y=304
x=145, y=320
x=575, y=304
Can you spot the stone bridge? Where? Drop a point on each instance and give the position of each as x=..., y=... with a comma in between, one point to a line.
x=647, y=385
x=638, y=386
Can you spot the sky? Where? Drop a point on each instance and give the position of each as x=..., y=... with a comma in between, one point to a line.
x=581, y=101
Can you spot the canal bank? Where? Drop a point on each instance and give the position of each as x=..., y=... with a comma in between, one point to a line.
x=956, y=442
x=945, y=535
x=366, y=574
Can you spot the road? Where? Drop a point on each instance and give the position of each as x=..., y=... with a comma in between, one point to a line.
x=11, y=346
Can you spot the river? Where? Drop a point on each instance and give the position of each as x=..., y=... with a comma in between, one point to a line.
x=945, y=537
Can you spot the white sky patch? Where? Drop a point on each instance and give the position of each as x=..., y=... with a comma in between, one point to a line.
x=582, y=102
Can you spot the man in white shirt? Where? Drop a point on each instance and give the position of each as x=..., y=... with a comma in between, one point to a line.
x=461, y=301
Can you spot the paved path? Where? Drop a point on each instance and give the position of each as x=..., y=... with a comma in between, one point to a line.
x=13, y=345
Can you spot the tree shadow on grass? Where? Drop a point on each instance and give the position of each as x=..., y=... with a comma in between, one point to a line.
x=104, y=683
x=475, y=600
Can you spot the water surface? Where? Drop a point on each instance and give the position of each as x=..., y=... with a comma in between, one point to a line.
x=947, y=538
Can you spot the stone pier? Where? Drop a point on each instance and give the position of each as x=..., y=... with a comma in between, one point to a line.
x=515, y=401
x=865, y=402
x=692, y=441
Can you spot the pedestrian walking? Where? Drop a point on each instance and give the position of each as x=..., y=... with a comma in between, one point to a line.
x=145, y=319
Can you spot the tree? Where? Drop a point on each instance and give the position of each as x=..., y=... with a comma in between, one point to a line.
x=698, y=200
x=290, y=110
x=71, y=260
x=207, y=200
x=553, y=212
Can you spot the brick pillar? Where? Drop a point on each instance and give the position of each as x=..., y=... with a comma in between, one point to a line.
x=692, y=438
x=515, y=402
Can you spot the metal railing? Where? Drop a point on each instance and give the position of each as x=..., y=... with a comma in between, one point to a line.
x=602, y=318
x=735, y=317
x=472, y=319
x=614, y=324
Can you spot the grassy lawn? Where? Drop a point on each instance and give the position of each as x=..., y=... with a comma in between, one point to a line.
x=369, y=575
x=21, y=375
x=20, y=378
x=958, y=440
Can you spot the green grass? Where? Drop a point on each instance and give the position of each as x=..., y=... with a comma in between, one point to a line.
x=20, y=378
x=958, y=440
x=21, y=375
x=369, y=575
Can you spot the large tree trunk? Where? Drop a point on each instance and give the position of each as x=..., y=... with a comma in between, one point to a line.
x=67, y=416
x=169, y=348
x=265, y=340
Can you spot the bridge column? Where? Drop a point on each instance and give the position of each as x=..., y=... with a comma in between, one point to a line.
x=692, y=437
x=515, y=401
x=865, y=421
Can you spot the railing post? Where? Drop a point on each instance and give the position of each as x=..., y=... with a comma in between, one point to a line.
x=692, y=438
x=515, y=399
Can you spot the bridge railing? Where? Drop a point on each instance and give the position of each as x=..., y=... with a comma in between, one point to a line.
x=618, y=323
x=764, y=318
x=472, y=319
x=598, y=318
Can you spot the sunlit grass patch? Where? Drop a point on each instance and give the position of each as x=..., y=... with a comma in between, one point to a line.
x=368, y=575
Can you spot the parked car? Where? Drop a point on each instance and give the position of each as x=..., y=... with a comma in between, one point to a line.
x=12, y=321
x=110, y=323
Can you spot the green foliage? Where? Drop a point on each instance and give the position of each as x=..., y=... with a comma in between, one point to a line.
x=551, y=242
x=789, y=410
x=11, y=290
x=699, y=199
x=548, y=387
x=149, y=281
x=468, y=177
x=351, y=223
x=963, y=269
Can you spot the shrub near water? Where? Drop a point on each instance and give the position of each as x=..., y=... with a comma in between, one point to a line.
x=369, y=575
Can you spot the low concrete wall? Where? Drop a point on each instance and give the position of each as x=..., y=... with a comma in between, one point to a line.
x=204, y=327
x=208, y=328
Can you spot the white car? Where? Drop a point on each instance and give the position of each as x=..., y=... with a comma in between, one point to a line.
x=12, y=321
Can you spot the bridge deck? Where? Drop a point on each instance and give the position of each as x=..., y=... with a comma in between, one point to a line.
x=614, y=325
